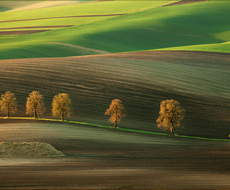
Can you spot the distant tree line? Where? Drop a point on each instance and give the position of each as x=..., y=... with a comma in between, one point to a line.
x=170, y=114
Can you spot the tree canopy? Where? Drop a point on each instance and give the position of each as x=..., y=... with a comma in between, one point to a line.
x=8, y=103
x=116, y=110
x=34, y=104
x=61, y=105
x=170, y=115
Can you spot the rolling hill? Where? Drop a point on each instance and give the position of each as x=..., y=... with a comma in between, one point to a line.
x=199, y=81
x=117, y=26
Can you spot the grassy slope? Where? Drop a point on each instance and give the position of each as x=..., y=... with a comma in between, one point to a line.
x=148, y=27
x=10, y=5
x=36, y=46
x=96, y=8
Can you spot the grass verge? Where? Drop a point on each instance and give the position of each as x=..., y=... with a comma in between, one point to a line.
x=109, y=127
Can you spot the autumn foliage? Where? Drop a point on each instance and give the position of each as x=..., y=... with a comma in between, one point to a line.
x=8, y=103
x=34, y=104
x=61, y=105
x=170, y=115
x=116, y=110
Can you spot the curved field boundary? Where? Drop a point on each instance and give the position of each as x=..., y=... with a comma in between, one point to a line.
x=28, y=27
x=3, y=33
x=182, y=2
x=64, y=17
x=109, y=127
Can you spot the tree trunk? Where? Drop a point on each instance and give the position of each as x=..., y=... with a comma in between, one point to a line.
x=115, y=126
x=35, y=114
x=172, y=129
x=8, y=112
x=62, y=116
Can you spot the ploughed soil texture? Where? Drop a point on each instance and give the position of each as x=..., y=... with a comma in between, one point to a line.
x=198, y=80
x=100, y=158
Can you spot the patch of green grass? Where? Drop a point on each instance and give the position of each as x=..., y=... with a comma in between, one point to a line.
x=76, y=21
x=121, y=129
x=95, y=8
x=215, y=47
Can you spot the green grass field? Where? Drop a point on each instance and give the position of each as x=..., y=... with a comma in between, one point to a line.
x=147, y=26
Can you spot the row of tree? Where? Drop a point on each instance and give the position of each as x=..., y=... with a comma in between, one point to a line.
x=61, y=104
x=170, y=113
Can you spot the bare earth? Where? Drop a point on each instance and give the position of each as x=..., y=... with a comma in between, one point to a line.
x=98, y=158
x=106, y=158
x=27, y=27
x=20, y=32
x=140, y=79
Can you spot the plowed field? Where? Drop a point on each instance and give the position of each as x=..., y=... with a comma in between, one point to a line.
x=199, y=81
x=102, y=158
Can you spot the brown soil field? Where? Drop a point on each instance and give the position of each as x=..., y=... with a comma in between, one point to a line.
x=64, y=17
x=3, y=33
x=97, y=158
x=140, y=79
x=61, y=26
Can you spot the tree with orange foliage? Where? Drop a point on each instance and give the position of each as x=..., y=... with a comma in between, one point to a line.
x=116, y=110
x=8, y=103
x=35, y=104
x=61, y=104
x=170, y=115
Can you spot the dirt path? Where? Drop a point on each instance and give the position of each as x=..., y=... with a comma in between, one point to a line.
x=3, y=33
x=84, y=49
x=182, y=2
x=27, y=27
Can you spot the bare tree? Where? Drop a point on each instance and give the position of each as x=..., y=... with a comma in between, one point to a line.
x=170, y=115
x=34, y=104
x=8, y=103
x=116, y=110
x=61, y=105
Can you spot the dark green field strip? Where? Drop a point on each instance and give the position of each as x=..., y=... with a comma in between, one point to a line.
x=28, y=27
x=64, y=17
x=109, y=127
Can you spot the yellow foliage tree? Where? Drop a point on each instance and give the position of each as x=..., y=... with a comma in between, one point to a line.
x=61, y=104
x=8, y=103
x=170, y=115
x=116, y=110
x=35, y=104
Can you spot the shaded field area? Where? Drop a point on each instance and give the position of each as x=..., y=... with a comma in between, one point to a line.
x=106, y=158
x=199, y=81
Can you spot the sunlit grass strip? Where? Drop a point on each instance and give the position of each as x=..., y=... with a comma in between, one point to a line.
x=109, y=127
x=139, y=131
x=202, y=138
